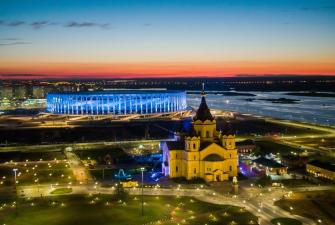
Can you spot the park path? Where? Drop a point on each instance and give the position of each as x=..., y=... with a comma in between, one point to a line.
x=265, y=213
x=80, y=172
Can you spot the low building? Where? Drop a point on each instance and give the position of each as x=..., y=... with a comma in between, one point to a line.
x=294, y=161
x=321, y=169
x=245, y=147
x=269, y=167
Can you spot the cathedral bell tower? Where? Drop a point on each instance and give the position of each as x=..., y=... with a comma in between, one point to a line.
x=228, y=137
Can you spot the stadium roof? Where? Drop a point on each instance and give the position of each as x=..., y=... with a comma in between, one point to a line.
x=130, y=91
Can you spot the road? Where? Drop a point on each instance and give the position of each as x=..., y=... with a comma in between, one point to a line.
x=327, y=132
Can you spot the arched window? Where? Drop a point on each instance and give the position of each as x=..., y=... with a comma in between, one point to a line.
x=207, y=133
x=194, y=145
x=176, y=169
x=230, y=168
x=195, y=170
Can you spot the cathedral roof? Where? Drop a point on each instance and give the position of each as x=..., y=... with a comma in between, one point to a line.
x=175, y=145
x=227, y=129
x=205, y=144
x=192, y=133
x=203, y=112
x=213, y=157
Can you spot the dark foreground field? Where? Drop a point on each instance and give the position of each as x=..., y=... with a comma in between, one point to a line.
x=103, y=210
x=317, y=205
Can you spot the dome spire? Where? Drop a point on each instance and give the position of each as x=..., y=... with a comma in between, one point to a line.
x=203, y=112
x=203, y=93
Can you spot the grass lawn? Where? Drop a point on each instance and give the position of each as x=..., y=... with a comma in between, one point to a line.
x=27, y=173
x=103, y=210
x=60, y=191
x=312, y=204
x=285, y=221
x=250, y=125
x=297, y=183
x=31, y=156
x=316, y=142
x=266, y=147
x=114, y=155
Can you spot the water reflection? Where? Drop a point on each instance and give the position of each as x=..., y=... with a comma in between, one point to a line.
x=320, y=110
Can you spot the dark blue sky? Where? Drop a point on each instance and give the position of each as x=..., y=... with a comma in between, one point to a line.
x=257, y=36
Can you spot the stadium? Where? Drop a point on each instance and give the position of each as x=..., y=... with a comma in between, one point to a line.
x=116, y=102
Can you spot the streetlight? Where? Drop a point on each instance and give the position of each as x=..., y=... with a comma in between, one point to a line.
x=142, y=170
x=15, y=170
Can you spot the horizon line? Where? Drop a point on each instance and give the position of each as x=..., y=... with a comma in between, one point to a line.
x=27, y=76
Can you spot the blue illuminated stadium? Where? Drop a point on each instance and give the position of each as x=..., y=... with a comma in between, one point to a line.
x=118, y=102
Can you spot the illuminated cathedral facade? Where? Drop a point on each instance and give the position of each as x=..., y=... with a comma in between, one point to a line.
x=203, y=153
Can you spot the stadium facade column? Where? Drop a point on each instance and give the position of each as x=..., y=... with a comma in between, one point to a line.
x=130, y=104
x=124, y=105
x=119, y=104
x=177, y=103
x=57, y=105
x=136, y=104
x=141, y=106
x=150, y=104
x=107, y=100
x=146, y=104
x=61, y=106
x=72, y=106
x=86, y=105
x=114, y=105
x=169, y=104
x=97, y=104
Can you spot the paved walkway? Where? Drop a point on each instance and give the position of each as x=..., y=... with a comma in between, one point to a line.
x=80, y=172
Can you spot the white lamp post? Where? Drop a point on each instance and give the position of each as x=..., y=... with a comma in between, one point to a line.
x=15, y=170
x=142, y=170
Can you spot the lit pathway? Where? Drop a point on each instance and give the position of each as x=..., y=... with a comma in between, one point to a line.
x=80, y=172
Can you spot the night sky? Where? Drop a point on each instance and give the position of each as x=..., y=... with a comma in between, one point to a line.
x=63, y=38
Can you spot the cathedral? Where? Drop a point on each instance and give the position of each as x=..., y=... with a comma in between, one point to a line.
x=203, y=153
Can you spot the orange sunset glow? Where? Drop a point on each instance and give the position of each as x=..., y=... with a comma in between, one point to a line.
x=177, y=69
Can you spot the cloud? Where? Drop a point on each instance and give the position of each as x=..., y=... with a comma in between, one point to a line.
x=15, y=23
x=10, y=39
x=16, y=43
x=74, y=24
x=54, y=23
x=39, y=24
x=43, y=23
x=327, y=7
